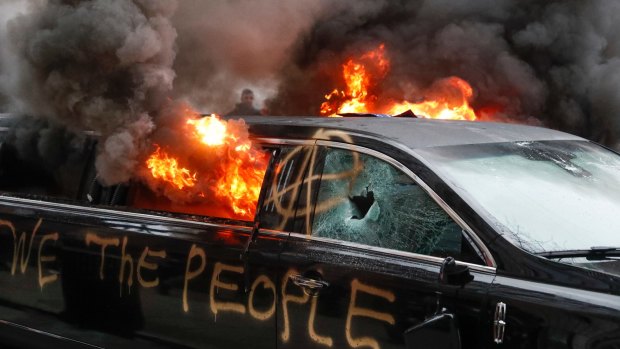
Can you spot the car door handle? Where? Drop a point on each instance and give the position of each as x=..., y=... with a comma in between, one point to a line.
x=311, y=286
x=499, y=323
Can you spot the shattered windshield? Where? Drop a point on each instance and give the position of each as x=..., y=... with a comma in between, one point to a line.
x=542, y=196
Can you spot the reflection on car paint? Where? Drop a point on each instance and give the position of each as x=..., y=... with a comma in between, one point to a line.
x=195, y=266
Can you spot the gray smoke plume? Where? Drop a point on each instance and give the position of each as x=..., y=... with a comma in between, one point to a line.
x=225, y=46
x=8, y=9
x=106, y=65
x=534, y=61
x=109, y=65
x=102, y=65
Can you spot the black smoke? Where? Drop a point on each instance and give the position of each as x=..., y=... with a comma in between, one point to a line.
x=102, y=65
x=107, y=65
x=112, y=65
x=554, y=63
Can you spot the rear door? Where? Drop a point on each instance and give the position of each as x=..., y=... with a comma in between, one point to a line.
x=31, y=294
x=365, y=266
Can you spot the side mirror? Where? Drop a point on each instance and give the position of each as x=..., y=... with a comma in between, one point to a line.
x=440, y=331
x=454, y=274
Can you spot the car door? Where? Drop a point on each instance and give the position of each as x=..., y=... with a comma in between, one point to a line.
x=365, y=266
x=563, y=307
x=30, y=294
x=96, y=273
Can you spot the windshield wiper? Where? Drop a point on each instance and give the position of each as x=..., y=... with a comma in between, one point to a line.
x=596, y=253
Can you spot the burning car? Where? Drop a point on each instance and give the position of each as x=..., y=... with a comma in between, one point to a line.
x=345, y=233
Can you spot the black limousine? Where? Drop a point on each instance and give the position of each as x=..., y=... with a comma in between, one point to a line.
x=368, y=233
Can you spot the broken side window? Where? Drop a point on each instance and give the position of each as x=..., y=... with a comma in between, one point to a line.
x=365, y=200
x=208, y=201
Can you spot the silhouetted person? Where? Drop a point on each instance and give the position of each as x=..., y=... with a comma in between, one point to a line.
x=246, y=106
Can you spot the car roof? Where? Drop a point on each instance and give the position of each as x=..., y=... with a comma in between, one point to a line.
x=410, y=132
x=421, y=133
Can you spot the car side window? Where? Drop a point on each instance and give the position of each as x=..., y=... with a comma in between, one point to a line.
x=281, y=208
x=57, y=171
x=209, y=203
x=366, y=200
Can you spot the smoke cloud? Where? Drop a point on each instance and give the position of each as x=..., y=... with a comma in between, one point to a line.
x=103, y=65
x=533, y=61
x=225, y=46
x=107, y=65
x=113, y=66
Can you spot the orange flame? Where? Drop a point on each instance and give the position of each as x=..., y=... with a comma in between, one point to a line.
x=210, y=130
x=447, y=99
x=167, y=169
x=229, y=171
x=214, y=132
x=358, y=76
x=241, y=187
x=241, y=181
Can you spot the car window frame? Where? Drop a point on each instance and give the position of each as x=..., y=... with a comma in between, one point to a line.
x=475, y=241
x=277, y=142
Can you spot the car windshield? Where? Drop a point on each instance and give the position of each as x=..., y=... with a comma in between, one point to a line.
x=542, y=196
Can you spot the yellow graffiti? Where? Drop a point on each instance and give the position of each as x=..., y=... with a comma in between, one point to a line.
x=305, y=208
x=286, y=298
x=195, y=266
x=142, y=263
x=313, y=176
x=125, y=260
x=19, y=245
x=277, y=192
x=324, y=340
x=357, y=286
x=216, y=283
x=104, y=243
x=43, y=280
x=21, y=257
x=195, y=251
x=267, y=284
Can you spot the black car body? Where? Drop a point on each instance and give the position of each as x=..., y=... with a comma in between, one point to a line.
x=354, y=224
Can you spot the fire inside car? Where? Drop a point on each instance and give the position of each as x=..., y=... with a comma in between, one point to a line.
x=212, y=170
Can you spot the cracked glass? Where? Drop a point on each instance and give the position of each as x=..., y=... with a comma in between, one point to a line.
x=366, y=200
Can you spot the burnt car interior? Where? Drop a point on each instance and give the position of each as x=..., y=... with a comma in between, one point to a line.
x=142, y=197
x=363, y=202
